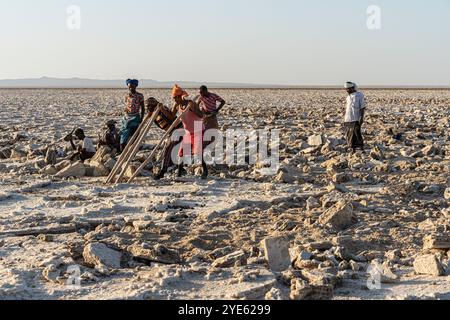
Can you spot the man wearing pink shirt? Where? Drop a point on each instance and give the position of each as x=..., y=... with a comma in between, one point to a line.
x=208, y=105
x=192, y=121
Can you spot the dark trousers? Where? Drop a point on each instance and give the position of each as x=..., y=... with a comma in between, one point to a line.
x=167, y=161
x=83, y=156
x=168, y=150
x=353, y=134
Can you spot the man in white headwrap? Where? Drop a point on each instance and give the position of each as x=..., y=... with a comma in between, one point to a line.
x=354, y=116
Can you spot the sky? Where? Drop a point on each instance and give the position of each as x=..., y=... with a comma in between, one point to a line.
x=286, y=42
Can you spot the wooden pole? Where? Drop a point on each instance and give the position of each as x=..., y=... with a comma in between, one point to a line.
x=137, y=144
x=126, y=151
x=169, y=131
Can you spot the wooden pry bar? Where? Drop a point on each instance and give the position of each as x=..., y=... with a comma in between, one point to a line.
x=135, y=148
x=169, y=131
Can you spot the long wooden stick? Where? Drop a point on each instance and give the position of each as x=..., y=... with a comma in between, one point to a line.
x=169, y=131
x=125, y=152
x=137, y=144
x=119, y=161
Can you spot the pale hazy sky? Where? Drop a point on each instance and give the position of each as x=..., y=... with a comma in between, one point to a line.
x=320, y=42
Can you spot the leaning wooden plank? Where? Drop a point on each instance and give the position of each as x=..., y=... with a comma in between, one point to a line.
x=124, y=154
x=127, y=154
x=137, y=140
x=126, y=150
x=150, y=157
x=138, y=144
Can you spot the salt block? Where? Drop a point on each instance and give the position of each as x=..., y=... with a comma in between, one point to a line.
x=277, y=253
x=77, y=170
x=429, y=265
x=315, y=140
x=99, y=254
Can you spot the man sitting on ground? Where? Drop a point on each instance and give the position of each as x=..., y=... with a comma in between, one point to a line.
x=110, y=137
x=86, y=150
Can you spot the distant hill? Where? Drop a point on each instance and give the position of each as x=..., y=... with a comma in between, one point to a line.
x=46, y=82
x=79, y=83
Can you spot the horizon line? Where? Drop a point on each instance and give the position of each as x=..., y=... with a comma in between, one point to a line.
x=232, y=83
x=261, y=87
x=189, y=84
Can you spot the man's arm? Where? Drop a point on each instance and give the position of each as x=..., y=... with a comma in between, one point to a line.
x=174, y=109
x=125, y=100
x=142, y=108
x=222, y=104
x=196, y=109
x=363, y=109
x=109, y=139
x=74, y=147
x=82, y=147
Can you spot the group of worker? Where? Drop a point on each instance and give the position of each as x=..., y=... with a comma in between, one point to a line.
x=198, y=114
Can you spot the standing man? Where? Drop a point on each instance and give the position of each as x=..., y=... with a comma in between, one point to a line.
x=193, y=125
x=134, y=113
x=208, y=105
x=354, y=116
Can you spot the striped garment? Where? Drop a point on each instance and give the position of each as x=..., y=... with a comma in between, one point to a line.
x=133, y=103
x=209, y=103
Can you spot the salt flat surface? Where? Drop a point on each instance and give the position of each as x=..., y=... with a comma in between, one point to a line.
x=397, y=189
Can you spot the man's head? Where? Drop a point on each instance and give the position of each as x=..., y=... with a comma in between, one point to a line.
x=111, y=124
x=178, y=93
x=350, y=87
x=178, y=100
x=152, y=104
x=79, y=133
x=132, y=85
x=203, y=91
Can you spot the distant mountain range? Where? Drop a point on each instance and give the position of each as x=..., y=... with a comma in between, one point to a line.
x=46, y=82
x=79, y=83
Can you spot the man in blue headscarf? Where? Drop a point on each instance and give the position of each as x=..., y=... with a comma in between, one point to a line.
x=133, y=82
x=134, y=112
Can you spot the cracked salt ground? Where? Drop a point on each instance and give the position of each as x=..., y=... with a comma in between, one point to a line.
x=330, y=215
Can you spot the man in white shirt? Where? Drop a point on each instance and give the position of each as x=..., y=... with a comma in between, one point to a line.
x=86, y=150
x=354, y=116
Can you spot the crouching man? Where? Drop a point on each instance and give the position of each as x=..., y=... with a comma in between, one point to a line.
x=85, y=150
x=110, y=137
x=164, y=121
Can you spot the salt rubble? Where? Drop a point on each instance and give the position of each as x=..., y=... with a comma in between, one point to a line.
x=339, y=213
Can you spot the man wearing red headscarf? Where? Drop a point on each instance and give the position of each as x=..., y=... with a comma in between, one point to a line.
x=193, y=125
